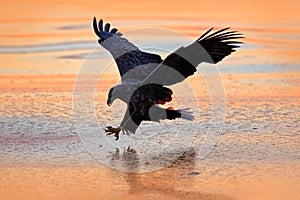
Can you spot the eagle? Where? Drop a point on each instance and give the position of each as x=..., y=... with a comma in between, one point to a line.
x=145, y=76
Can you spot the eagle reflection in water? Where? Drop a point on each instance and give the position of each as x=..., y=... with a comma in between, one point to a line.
x=174, y=181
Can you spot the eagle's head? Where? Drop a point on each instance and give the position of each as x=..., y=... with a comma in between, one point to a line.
x=111, y=97
x=121, y=91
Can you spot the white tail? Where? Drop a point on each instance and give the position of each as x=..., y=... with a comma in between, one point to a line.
x=186, y=114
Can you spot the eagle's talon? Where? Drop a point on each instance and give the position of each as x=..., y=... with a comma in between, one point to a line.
x=110, y=130
x=117, y=136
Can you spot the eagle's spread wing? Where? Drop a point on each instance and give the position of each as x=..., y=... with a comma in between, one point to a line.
x=209, y=48
x=126, y=54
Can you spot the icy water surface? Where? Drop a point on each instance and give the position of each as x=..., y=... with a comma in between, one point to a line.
x=42, y=155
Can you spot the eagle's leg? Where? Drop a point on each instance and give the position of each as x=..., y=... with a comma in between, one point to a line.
x=110, y=130
x=125, y=132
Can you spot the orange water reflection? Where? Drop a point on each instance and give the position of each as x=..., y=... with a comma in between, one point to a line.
x=172, y=183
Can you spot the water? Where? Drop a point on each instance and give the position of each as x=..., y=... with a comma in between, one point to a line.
x=43, y=155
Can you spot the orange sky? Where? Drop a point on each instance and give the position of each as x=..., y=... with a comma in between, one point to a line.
x=256, y=11
x=35, y=18
x=273, y=25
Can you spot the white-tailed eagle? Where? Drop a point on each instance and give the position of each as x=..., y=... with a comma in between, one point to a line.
x=145, y=75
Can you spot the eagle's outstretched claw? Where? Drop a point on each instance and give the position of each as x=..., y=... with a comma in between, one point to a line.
x=110, y=130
